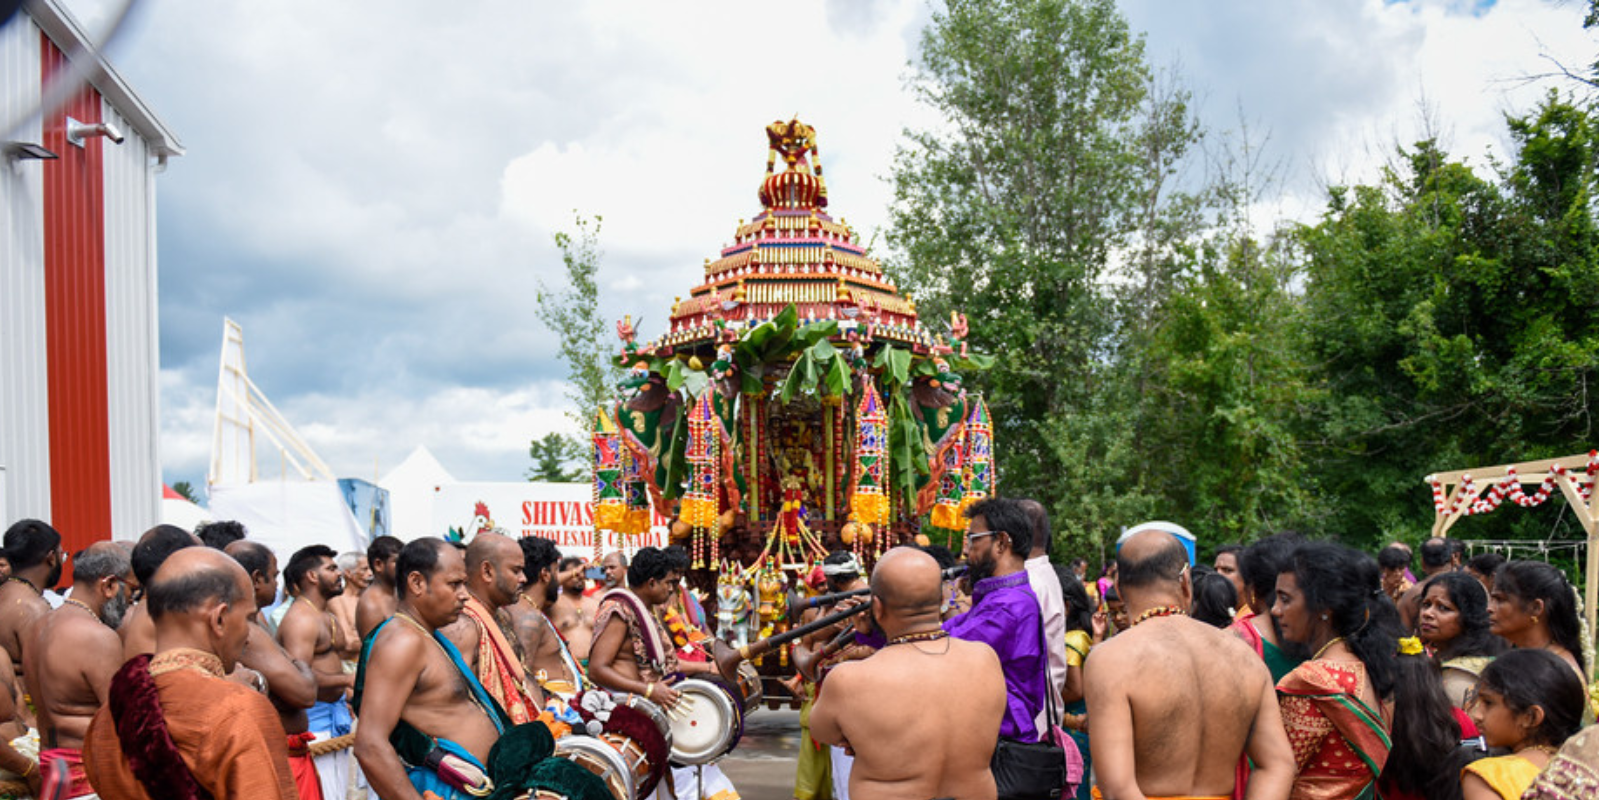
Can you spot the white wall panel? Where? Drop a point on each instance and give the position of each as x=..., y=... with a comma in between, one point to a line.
x=132, y=362
x=24, y=414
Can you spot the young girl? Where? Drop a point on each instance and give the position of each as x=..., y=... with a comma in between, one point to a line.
x=1529, y=701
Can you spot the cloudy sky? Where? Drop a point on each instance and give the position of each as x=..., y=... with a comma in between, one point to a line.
x=370, y=189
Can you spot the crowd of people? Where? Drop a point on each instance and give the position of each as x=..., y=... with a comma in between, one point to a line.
x=185, y=665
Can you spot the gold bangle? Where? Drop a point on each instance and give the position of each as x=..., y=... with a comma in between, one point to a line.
x=31, y=768
x=648, y=688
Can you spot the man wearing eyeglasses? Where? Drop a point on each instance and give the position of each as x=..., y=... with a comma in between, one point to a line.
x=69, y=656
x=1005, y=611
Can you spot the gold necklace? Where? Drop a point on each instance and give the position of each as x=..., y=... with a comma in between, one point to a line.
x=80, y=604
x=29, y=584
x=925, y=636
x=1548, y=750
x=1160, y=611
x=1331, y=642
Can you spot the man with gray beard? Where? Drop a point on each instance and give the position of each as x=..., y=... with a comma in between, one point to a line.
x=70, y=655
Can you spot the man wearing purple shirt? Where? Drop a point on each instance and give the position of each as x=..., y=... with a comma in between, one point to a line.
x=1005, y=611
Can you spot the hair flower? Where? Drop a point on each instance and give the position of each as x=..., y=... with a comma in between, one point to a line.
x=1410, y=646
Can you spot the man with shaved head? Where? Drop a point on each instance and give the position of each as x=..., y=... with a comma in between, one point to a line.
x=906, y=747
x=173, y=726
x=1174, y=702
x=69, y=656
x=485, y=634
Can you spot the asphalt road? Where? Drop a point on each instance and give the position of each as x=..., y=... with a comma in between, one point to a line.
x=762, y=765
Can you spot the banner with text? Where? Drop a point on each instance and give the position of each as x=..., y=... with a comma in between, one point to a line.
x=560, y=512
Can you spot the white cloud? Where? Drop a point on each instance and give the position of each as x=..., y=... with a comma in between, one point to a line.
x=371, y=190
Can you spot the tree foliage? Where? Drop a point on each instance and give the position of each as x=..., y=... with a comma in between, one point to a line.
x=572, y=312
x=1156, y=356
x=556, y=459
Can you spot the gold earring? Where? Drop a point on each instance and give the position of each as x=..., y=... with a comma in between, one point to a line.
x=1536, y=619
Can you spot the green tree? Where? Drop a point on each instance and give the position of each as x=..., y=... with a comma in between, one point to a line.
x=556, y=459
x=1052, y=160
x=186, y=489
x=572, y=312
x=1452, y=321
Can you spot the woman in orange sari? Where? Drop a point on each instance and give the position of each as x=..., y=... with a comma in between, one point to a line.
x=1362, y=682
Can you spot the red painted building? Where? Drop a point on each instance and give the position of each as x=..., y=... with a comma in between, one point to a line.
x=79, y=364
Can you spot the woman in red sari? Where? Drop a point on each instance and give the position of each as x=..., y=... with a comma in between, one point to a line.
x=1362, y=682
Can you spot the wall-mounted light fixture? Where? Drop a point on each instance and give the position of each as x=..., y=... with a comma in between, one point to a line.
x=78, y=131
x=20, y=151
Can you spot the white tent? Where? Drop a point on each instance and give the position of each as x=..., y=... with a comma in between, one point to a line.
x=412, y=486
x=288, y=515
x=177, y=510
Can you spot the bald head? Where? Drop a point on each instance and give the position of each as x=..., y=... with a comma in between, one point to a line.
x=194, y=579
x=907, y=582
x=488, y=548
x=99, y=561
x=1150, y=558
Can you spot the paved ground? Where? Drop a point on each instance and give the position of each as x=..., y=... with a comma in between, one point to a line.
x=762, y=765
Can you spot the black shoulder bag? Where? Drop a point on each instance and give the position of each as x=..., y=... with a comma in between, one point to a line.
x=1032, y=770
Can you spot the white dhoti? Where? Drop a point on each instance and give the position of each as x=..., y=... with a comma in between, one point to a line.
x=713, y=784
x=841, y=764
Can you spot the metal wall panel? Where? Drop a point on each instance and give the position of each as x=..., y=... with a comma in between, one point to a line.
x=24, y=415
x=132, y=361
x=75, y=318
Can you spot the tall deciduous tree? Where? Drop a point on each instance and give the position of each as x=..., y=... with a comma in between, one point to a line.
x=1452, y=317
x=1052, y=155
x=572, y=312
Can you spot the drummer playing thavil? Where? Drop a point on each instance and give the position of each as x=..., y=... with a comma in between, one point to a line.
x=412, y=677
x=633, y=653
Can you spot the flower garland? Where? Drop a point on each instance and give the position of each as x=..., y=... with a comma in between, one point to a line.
x=1509, y=486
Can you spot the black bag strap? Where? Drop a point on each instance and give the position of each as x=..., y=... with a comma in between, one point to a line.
x=1050, y=718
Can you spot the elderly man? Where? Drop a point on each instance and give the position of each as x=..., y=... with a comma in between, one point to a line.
x=906, y=747
x=307, y=633
x=1005, y=616
x=1173, y=702
x=414, y=684
x=494, y=576
x=174, y=728
x=69, y=658
x=377, y=601
x=357, y=577
x=291, y=685
x=34, y=550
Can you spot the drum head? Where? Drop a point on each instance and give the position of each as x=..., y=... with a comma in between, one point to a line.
x=600, y=758
x=706, y=723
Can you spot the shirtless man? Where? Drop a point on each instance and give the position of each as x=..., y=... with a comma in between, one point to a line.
x=377, y=601
x=1173, y=702
x=34, y=550
x=69, y=658
x=138, y=631
x=572, y=612
x=291, y=685
x=357, y=577
x=307, y=633
x=546, y=657
x=907, y=748
x=633, y=653
x=494, y=576
x=413, y=676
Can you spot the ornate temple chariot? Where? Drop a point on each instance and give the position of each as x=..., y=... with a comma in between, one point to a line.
x=795, y=404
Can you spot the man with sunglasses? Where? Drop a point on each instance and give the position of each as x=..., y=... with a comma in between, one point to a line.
x=1005, y=612
x=69, y=656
